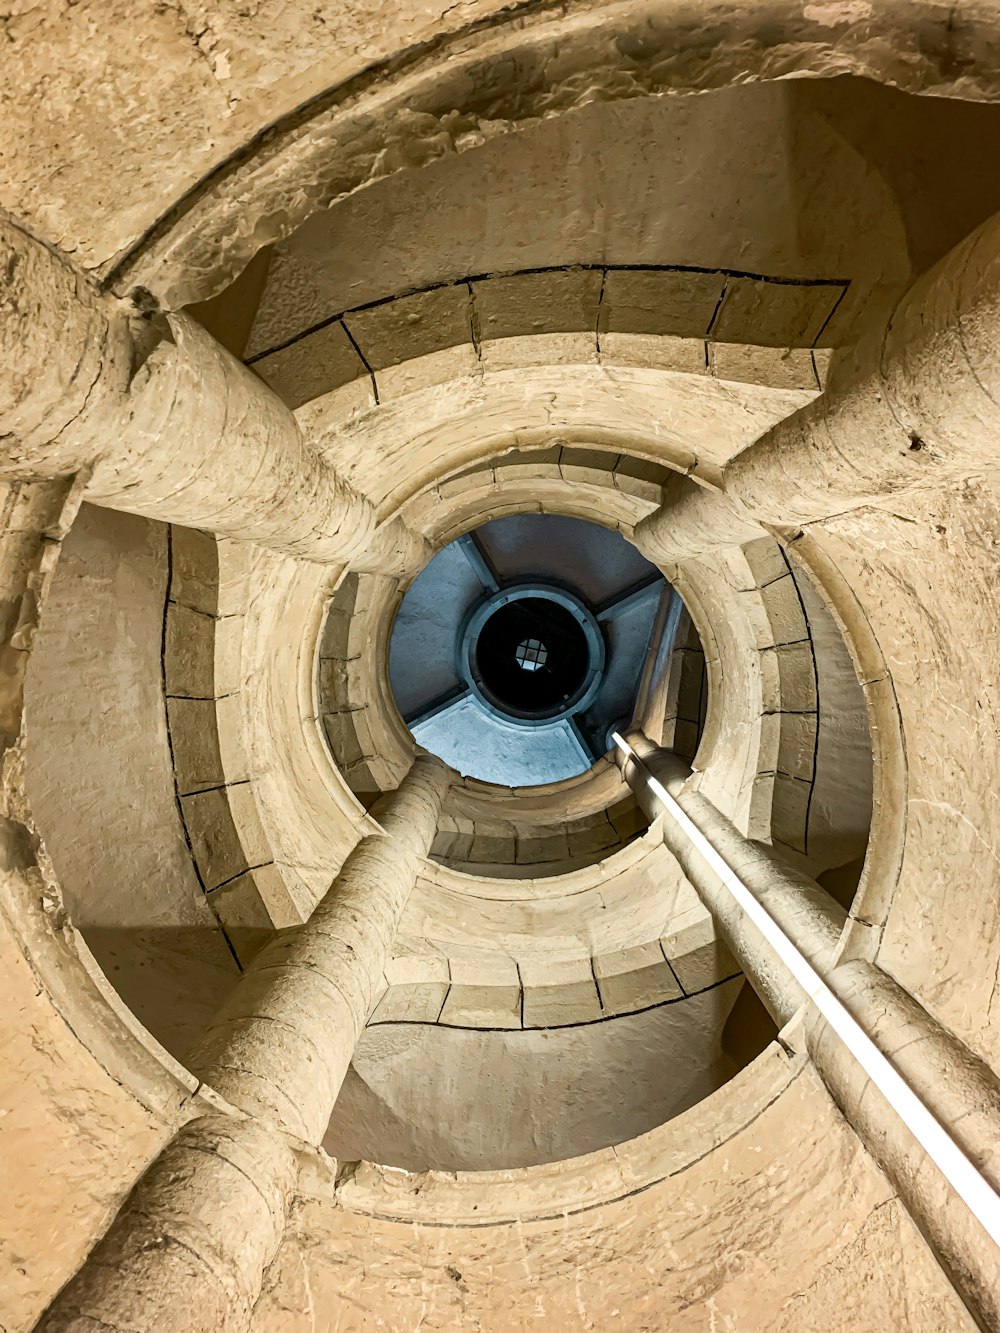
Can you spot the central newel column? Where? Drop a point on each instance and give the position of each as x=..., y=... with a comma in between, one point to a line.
x=188, y=1250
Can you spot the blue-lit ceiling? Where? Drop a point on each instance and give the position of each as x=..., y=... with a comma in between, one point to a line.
x=451, y=616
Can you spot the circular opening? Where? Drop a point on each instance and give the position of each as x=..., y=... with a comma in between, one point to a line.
x=531, y=654
x=520, y=642
x=532, y=657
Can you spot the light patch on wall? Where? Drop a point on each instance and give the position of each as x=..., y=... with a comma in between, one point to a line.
x=509, y=755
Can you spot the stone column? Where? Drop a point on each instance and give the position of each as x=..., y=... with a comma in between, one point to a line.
x=958, y=1088
x=916, y=404
x=691, y=520
x=189, y=1248
x=167, y=423
x=806, y=912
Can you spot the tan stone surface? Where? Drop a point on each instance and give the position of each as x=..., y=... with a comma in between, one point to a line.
x=87, y=1095
x=670, y=417
x=710, y=1246
x=99, y=773
x=476, y=1092
x=71, y=1141
x=597, y=300
x=235, y=75
x=712, y=182
x=920, y=580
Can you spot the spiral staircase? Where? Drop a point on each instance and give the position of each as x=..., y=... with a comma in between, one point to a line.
x=499, y=685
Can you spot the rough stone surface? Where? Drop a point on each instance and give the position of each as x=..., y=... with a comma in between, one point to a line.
x=95, y=705
x=702, y=1248
x=487, y=261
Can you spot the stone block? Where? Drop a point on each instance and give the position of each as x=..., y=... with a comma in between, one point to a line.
x=342, y=686
x=537, y=970
x=189, y=652
x=522, y=464
x=688, y=356
x=215, y=842
x=784, y=611
x=537, y=847
x=411, y=1003
x=228, y=661
x=235, y=560
x=363, y=730
x=685, y=738
x=239, y=907
x=690, y=667
x=492, y=846
x=774, y=314
x=194, y=739
x=194, y=580
x=765, y=562
x=699, y=958
x=484, y=969
x=336, y=631
x=797, y=675
x=341, y=732
x=641, y=477
x=687, y=635
x=368, y=779
x=797, y=744
x=660, y=301
x=34, y=507
x=626, y=818
x=593, y=466
x=776, y=367
x=232, y=751
x=423, y=372
x=540, y=349
x=313, y=365
x=452, y=844
x=821, y=358
x=594, y=834
x=790, y=811
x=458, y=484
x=345, y=595
x=419, y=968
x=412, y=326
x=635, y=978
x=555, y=301
x=482, y=1007
x=321, y=418
x=243, y=804
x=274, y=894
x=562, y=1005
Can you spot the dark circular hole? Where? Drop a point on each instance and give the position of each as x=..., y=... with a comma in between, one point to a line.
x=532, y=657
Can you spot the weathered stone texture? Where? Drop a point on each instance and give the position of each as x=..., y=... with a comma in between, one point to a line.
x=71, y=1141
x=447, y=321
x=747, y=1237
x=87, y=1095
x=925, y=574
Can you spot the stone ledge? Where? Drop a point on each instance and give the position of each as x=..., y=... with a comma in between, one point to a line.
x=744, y=328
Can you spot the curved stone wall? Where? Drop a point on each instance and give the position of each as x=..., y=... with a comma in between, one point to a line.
x=665, y=1227
x=99, y=766
x=708, y=313
x=848, y=657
